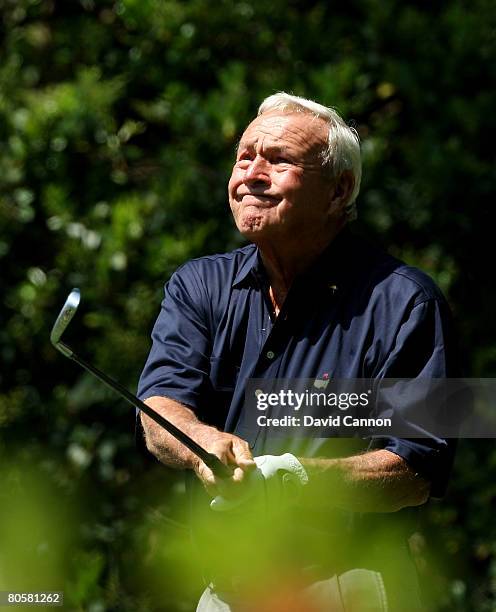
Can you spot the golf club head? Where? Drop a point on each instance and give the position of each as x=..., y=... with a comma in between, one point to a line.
x=64, y=318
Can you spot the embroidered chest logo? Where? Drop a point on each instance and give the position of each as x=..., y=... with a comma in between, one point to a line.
x=322, y=382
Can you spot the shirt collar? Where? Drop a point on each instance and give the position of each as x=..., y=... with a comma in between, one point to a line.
x=249, y=267
x=332, y=266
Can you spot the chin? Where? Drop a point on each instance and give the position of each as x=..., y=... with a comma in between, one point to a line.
x=251, y=224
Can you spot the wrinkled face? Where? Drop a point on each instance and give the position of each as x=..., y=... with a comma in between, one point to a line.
x=278, y=189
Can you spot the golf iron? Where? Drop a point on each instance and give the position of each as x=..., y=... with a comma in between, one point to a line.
x=66, y=314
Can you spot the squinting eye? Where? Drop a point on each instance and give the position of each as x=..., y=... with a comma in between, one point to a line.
x=282, y=160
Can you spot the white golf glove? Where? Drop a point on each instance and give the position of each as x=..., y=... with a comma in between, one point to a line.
x=277, y=478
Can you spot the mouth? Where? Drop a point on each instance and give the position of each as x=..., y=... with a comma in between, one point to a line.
x=256, y=199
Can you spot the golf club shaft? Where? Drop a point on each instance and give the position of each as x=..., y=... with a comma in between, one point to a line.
x=212, y=461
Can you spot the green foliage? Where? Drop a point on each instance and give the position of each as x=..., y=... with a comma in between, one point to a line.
x=118, y=121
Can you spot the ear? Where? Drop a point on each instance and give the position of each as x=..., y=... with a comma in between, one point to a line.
x=341, y=191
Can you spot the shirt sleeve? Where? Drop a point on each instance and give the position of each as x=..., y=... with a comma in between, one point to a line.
x=424, y=347
x=178, y=363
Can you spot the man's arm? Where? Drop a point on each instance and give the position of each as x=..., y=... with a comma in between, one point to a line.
x=230, y=449
x=377, y=481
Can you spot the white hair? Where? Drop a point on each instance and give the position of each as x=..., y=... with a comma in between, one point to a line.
x=343, y=147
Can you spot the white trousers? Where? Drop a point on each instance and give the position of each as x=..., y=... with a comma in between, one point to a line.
x=357, y=590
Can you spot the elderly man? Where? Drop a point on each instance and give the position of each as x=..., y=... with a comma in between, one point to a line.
x=305, y=299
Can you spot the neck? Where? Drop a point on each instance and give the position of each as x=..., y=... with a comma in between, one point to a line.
x=284, y=263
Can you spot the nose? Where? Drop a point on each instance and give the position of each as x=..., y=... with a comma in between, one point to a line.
x=257, y=171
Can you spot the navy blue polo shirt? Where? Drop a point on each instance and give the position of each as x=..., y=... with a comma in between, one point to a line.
x=356, y=313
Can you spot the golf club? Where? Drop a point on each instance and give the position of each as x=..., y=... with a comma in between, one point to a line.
x=66, y=314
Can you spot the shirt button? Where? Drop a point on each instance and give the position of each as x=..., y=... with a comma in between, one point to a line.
x=270, y=354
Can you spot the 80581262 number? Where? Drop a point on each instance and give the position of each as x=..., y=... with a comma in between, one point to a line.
x=33, y=598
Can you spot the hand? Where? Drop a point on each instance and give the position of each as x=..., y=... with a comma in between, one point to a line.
x=232, y=451
x=277, y=478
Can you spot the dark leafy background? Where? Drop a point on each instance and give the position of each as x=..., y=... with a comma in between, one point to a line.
x=118, y=122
